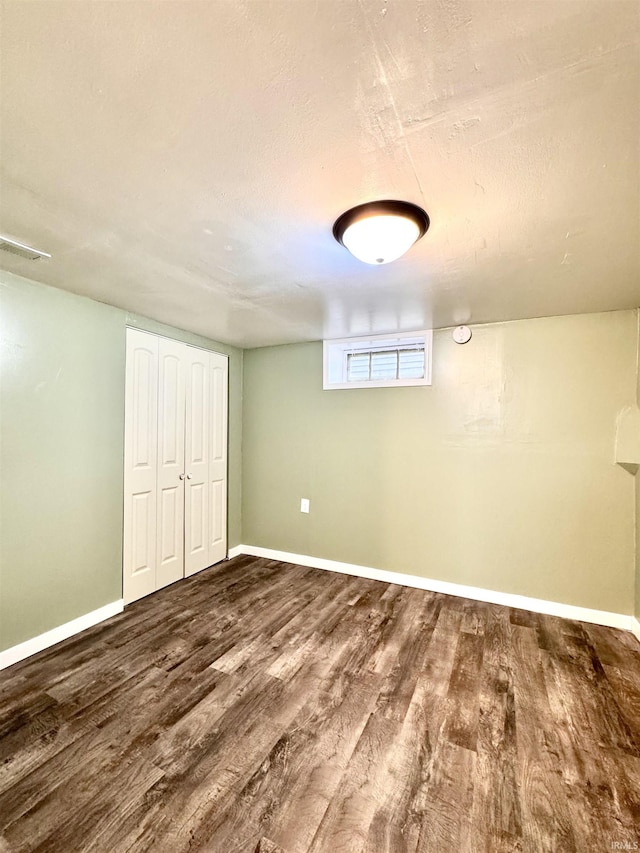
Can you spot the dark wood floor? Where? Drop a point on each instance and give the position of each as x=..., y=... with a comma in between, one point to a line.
x=264, y=706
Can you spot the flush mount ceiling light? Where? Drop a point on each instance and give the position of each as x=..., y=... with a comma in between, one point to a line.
x=381, y=231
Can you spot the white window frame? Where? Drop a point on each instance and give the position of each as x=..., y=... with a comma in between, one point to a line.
x=334, y=357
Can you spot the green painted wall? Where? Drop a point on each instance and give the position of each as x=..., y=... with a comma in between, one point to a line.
x=637, y=481
x=61, y=453
x=500, y=475
x=637, y=596
x=637, y=588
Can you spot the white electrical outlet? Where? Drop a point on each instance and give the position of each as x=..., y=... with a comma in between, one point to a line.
x=304, y=504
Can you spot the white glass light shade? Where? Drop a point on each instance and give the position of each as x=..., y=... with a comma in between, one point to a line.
x=381, y=231
x=379, y=239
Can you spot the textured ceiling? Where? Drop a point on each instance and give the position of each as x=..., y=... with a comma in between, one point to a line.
x=186, y=160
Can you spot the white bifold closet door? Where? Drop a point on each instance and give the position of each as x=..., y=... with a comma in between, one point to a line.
x=206, y=460
x=198, y=426
x=171, y=468
x=175, y=515
x=218, y=434
x=140, y=466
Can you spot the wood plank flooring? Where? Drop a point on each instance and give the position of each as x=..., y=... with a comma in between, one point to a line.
x=261, y=707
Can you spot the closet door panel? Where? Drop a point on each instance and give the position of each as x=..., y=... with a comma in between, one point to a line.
x=171, y=420
x=140, y=465
x=197, y=438
x=197, y=522
x=219, y=373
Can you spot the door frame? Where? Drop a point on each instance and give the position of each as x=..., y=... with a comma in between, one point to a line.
x=131, y=327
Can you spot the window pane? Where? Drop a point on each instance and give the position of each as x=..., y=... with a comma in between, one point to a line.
x=411, y=364
x=384, y=365
x=358, y=367
x=378, y=361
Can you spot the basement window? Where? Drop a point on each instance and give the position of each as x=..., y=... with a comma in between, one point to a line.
x=378, y=361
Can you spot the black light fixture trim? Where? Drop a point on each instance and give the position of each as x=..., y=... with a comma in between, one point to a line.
x=381, y=208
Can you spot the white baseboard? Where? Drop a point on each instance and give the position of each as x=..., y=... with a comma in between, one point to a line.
x=235, y=551
x=552, y=608
x=537, y=605
x=30, y=647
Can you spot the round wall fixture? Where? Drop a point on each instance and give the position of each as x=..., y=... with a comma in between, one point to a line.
x=462, y=334
x=381, y=231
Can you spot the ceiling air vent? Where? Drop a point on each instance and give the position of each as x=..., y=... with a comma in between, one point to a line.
x=15, y=248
